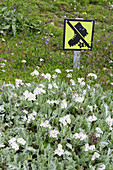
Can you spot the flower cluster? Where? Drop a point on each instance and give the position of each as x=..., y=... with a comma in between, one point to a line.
x=59, y=151
x=80, y=136
x=64, y=120
x=14, y=145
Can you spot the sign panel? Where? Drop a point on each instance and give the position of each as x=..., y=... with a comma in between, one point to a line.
x=78, y=34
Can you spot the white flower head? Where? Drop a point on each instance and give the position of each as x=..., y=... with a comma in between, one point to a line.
x=55, y=85
x=69, y=75
x=31, y=96
x=92, y=75
x=79, y=99
x=21, y=141
x=62, y=120
x=18, y=82
x=69, y=70
x=58, y=70
x=72, y=82
x=47, y=76
x=63, y=104
x=54, y=133
x=102, y=167
x=54, y=76
x=96, y=155
x=35, y=72
x=45, y=124
x=23, y=61
x=26, y=94
x=99, y=130
x=39, y=91
x=92, y=118
x=12, y=140
x=49, y=86
x=41, y=59
x=15, y=146
x=59, y=151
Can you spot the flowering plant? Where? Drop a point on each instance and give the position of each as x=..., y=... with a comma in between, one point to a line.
x=47, y=127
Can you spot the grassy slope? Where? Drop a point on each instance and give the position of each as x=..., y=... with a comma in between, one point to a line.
x=31, y=47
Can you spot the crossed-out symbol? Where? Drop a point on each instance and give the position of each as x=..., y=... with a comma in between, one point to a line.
x=80, y=32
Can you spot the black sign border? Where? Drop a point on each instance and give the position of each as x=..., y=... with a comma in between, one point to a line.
x=90, y=49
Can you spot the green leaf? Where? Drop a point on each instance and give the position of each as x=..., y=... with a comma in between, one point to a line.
x=3, y=9
x=6, y=27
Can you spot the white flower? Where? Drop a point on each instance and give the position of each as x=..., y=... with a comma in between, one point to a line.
x=72, y=82
x=39, y=91
x=2, y=64
x=90, y=107
x=55, y=85
x=49, y=86
x=35, y=72
x=58, y=70
x=79, y=99
x=47, y=76
x=82, y=136
x=62, y=120
x=21, y=141
x=59, y=151
x=102, y=167
x=69, y=75
x=28, y=84
x=12, y=140
x=3, y=70
x=45, y=124
x=54, y=76
x=54, y=133
x=24, y=118
x=99, y=130
x=15, y=146
x=30, y=117
x=31, y=96
x=41, y=85
x=80, y=79
x=86, y=147
x=63, y=104
x=91, y=147
x=109, y=122
x=67, y=119
x=93, y=75
x=96, y=155
x=69, y=70
x=76, y=136
x=34, y=113
x=18, y=82
x=52, y=23
x=82, y=83
x=41, y=59
x=92, y=118
x=26, y=94
x=23, y=61
x=3, y=39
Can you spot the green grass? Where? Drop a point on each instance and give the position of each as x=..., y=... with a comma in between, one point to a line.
x=31, y=47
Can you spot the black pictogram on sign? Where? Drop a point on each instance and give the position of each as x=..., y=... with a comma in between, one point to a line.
x=78, y=34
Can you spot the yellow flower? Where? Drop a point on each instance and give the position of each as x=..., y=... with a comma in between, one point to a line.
x=84, y=13
x=29, y=3
x=27, y=158
x=96, y=45
x=53, y=36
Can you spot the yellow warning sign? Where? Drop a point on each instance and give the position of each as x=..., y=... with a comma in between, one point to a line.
x=78, y=34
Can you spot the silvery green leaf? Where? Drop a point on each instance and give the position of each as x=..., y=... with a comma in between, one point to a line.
x=69, y=145
x=2, y=145
x=31, y=149
x=3, y=9
x=6, y=27
x=67, y=153
x=103, y=144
